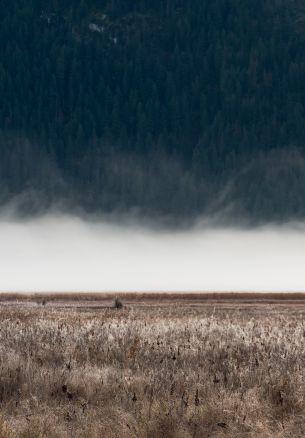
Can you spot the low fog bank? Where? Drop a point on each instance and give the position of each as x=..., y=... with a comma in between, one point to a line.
x=61, y=253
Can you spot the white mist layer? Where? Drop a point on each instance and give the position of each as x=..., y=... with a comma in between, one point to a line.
x=67, y=254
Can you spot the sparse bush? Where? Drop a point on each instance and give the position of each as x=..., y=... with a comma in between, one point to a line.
x=117, y=303
x=41, y=302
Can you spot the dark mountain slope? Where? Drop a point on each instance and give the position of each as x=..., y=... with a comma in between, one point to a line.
x=170, y=107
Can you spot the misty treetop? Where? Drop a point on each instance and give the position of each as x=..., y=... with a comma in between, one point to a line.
x=166, y=106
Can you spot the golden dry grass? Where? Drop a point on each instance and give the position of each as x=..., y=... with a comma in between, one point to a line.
x=152, y=371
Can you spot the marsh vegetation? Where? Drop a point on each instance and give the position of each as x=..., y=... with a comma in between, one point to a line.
x=152, y=371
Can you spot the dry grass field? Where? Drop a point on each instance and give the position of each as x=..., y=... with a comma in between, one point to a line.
x=167, y=367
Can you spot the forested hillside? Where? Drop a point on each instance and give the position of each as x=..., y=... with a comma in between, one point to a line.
x=165, y=106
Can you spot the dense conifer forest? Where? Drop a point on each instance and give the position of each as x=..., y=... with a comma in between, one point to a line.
x=166, y=107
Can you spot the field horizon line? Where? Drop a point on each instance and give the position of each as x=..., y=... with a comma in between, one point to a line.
x=135, y=296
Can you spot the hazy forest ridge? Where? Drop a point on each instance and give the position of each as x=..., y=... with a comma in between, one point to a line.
x=157, y=107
